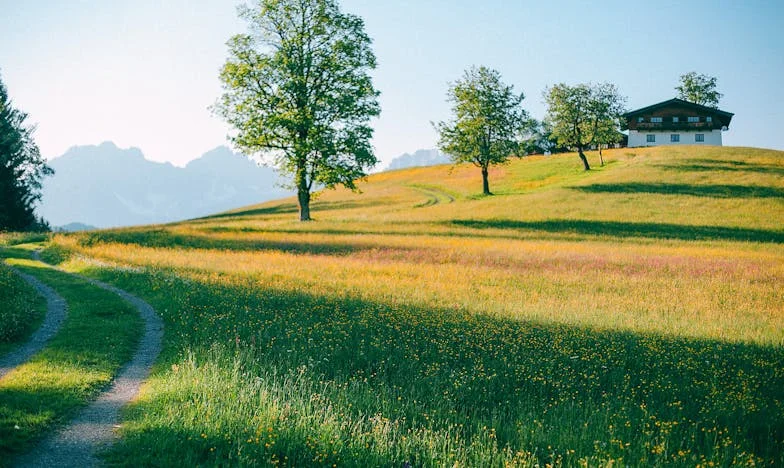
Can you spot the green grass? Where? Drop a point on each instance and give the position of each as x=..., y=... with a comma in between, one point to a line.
x=629, y=315
x=97, y=337
x=355, y=383
x=22, y=309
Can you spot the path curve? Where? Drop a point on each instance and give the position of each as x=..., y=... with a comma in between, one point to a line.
x=433, y=194
x=75, y=445
x=56, y=310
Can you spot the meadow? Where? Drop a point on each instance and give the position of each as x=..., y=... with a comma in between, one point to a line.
x=632, y=314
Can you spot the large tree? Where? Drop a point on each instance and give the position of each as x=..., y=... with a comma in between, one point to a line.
x=21, y=169
x=487, y=124
x=297, y=89
x=699, y=89
x=583, y=115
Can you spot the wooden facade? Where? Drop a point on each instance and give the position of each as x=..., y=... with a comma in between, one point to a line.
x=677, y=115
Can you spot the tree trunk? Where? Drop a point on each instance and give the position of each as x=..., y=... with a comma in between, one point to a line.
x=303, y=196
x=485, y=182
x=584, y=159
x=601, y=159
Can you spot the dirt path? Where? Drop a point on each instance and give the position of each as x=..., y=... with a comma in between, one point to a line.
x=434, y=195
x=56, y=310
x=75, y=445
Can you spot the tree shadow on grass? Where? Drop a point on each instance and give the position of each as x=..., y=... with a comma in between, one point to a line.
x=167, y=239
x=709, y=191
x=627, y=229
x=446, y=374
x=711, y=165
x=290, y=208
x=283, y=208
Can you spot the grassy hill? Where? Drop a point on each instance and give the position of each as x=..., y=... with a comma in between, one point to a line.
x=630, y=314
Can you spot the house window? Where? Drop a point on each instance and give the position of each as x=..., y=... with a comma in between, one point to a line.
x=699, y=137
x=675, y=120
x=656, y=119
x=640, y=119
x=650, y=138
x=675, y=138
x=694, y=119
x=709, y=119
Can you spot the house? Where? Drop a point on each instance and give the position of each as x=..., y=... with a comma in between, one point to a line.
x=676, y=122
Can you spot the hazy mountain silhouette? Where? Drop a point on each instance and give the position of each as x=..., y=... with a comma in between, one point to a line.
x=423, y=157
x=74, y=227
x=105, y=186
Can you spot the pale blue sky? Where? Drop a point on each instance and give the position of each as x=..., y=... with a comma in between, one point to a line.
x=142, y=73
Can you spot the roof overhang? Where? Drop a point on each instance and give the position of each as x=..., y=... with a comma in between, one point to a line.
x=679, y=102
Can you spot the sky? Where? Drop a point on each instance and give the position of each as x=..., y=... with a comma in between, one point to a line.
x=143, y=73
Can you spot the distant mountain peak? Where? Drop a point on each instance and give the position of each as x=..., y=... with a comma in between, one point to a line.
x=421, y=157
x=106, y=186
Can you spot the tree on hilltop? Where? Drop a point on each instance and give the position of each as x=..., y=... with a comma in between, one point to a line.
x=487, y=123
x=699, y=89
x=297, y=89
x=21, y=169
x=584, y=115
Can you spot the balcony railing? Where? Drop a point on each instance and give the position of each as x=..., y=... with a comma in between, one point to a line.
x=674, y=125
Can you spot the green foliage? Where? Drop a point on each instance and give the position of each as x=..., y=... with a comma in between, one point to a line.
x=297, y=89
x=21, y=169
x=699, y=89
x=584, y=115
x=539, y=139
x=487, y=124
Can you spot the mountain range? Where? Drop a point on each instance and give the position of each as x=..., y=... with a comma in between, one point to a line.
x=423, y=157
x=105, y=186
x=100, y=186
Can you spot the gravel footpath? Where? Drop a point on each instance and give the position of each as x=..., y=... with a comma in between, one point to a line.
x=56, y=310
x=93, y=429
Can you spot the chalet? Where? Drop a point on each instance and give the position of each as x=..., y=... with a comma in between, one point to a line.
x=676, y=122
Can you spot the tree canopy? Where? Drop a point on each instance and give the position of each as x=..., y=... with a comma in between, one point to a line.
x=584, y=114
x=699, y=89
x=487, y=124
x=21, y=169
x=297, y=89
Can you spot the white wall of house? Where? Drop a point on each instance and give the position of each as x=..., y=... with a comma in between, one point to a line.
x=640, y=138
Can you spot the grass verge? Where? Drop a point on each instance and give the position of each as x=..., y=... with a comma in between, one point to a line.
x=22, y=310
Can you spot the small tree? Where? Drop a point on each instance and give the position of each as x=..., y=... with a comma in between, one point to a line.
x=21, y=169
x=607, y=134
x=583, y=115
x=699, y=89
x=487, y=124
x=297, y=89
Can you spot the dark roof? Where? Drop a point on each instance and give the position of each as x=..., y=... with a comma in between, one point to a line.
x=694, y=106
